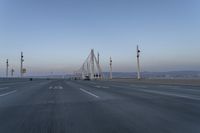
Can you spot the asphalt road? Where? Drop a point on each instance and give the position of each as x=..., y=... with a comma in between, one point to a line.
x=62, y=106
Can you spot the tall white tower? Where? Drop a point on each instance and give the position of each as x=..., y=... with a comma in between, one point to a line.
x=98, y=64
x=21, y=68
x=92, y=63
x=138, y=63
x=111, y=68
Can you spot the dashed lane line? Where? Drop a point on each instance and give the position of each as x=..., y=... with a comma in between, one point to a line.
x=5, y=94
x=55, y=87
x=104, y=87
x=89, y=93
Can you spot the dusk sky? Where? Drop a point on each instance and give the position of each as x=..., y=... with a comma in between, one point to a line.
x=57, y=35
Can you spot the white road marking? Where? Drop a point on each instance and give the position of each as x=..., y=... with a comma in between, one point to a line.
x=60, y=87
x=89, y=93
x=97, y=86
x=171, y=94
x=171, y=87
x=105, y=87
x=56, y=87
x=8, y=93
x=50, y=87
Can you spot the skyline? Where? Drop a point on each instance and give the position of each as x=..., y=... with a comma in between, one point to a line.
x=57, y=36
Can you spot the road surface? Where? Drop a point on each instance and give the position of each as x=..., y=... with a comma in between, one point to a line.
x=63, y=106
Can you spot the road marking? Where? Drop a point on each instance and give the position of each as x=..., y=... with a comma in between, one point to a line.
x=104, y=87
x=60, y=87
x=97, y=86
x=171, y=94
x=50, y=87
x=4, y=88
x=56, y=87
x=8, y=93
x=89, y=93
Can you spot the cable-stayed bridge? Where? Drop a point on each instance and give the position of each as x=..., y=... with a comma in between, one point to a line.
x=91, y=68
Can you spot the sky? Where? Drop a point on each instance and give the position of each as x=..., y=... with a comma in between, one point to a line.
x=57, y=35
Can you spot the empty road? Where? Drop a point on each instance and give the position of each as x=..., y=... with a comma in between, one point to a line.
x=64, y=106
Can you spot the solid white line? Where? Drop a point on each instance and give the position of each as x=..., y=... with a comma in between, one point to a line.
x=89, y=93
x=104, y=87
x=8, y=93
x=171, y=94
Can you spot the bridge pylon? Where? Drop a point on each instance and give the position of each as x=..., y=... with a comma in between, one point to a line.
x=90, y=69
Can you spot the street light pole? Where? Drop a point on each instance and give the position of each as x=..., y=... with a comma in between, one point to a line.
x=7, y=65
x=21, y=68
x=111, y=68
x=138, y=63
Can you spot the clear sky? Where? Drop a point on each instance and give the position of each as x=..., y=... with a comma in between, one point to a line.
x=57, y=35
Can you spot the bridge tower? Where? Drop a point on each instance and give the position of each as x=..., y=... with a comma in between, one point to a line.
x=91, y=68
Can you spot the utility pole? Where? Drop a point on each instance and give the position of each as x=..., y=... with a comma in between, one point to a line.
x=21, y=68
x=7, y=65
x=98, y=63
x=138, y=63
x=111, y=68
x=12, y=72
